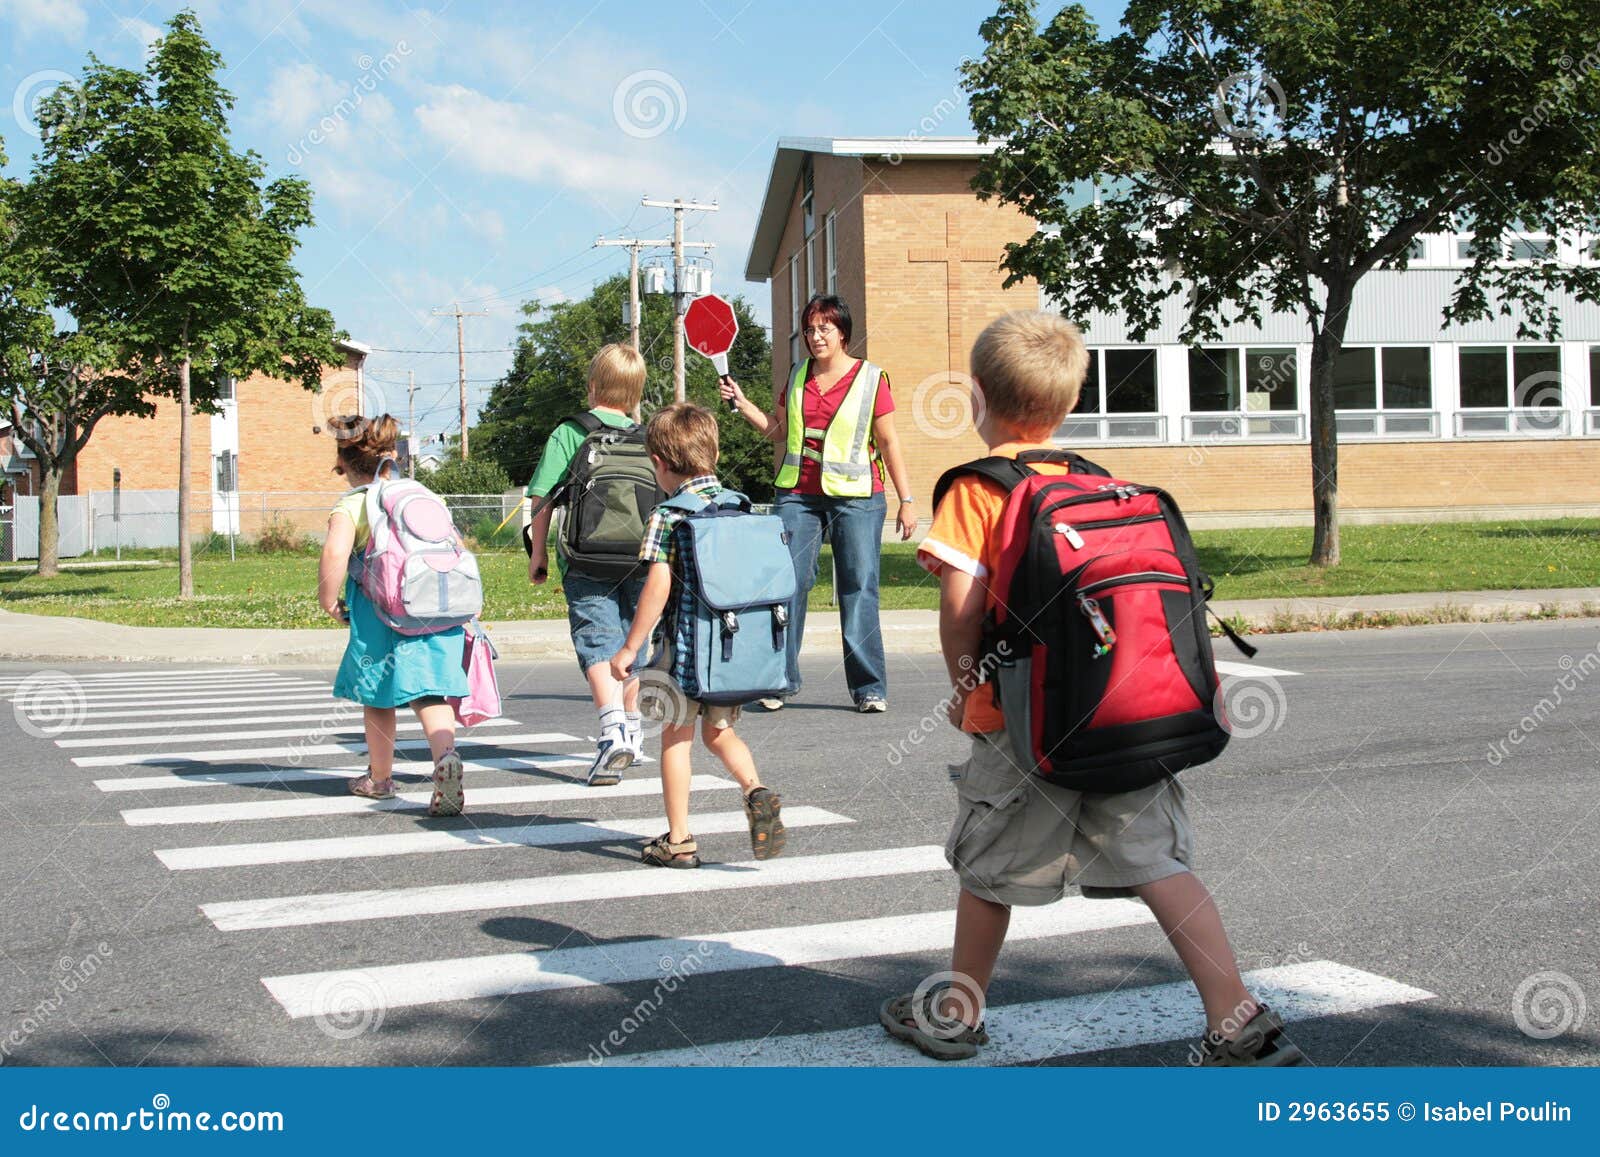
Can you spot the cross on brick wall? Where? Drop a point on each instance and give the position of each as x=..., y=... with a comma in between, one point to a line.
x=955, y=256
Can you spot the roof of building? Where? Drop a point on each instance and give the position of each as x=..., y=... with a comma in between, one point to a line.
x=790, y=159
x=354, y=347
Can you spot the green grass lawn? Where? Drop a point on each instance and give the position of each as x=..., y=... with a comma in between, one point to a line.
x=278, y=590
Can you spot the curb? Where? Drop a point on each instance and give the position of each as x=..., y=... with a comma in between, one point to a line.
x=42, y=639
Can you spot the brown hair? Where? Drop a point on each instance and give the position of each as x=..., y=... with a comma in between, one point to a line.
x=831, y=310
x=684, y=436
x=616, y=376
x=364, y=442
x=1030, y=365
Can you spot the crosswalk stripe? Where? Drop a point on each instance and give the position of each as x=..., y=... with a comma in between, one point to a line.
x=578, y=888
x=278, y=733
x=337, y=711
x=546, y=835
x=504, y=974
x=347, y=747
x=198, y=695
x=322, y=691
x=1039, y=1030
x=296, y=701
x=199, y=682
x=406, y=801
x=1251, y=670
x=409, y=771
x=150, y=673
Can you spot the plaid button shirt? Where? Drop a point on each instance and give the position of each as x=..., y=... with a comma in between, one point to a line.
x=658, y=544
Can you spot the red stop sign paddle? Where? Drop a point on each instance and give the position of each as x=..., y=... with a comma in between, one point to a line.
x=710, y=328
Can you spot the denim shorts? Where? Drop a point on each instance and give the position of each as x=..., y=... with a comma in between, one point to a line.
x=599, y=613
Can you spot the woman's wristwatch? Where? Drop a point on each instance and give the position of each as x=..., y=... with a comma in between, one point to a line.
x=906, y=501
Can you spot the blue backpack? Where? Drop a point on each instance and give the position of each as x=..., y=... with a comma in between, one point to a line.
x=736, y=584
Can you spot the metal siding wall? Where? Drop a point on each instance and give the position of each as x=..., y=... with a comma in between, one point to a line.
x=1389, y=307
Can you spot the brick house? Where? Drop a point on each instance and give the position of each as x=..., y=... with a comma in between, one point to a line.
x=1428, y=413
x=266, y=454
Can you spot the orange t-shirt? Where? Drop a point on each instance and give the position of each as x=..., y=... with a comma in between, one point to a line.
x=962, y=536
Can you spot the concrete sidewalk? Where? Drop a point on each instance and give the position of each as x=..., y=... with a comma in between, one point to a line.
x=56, y=639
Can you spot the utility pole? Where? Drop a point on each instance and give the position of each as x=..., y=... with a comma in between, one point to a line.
x=633, y=245
x=411, y=423
x=461, y=362
x=680, y=297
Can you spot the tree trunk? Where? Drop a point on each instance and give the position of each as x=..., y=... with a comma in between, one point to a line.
x=185, y=553
x=1325, y=349
x=49, y=525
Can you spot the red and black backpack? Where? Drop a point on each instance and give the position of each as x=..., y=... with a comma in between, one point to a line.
x=1097, y=645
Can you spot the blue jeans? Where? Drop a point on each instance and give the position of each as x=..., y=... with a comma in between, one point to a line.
x=854, y=526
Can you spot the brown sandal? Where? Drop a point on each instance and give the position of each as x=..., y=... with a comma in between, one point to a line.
x=661, y=852
x=941, y=1037
x=372, y=788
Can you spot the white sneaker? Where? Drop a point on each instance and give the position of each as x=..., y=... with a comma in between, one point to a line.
x=770, y=703
x=611, y=756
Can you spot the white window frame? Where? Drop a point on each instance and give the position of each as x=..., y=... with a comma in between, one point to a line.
x=1511, y=420
x=830, y=249
x=1378, y=417
x=1242, y=424
x=794, y=311
x=1115, y=427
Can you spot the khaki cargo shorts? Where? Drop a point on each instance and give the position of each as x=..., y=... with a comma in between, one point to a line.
x=661, y=698
x=1020, y=840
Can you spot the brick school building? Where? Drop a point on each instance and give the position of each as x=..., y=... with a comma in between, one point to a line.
x=1436, y=421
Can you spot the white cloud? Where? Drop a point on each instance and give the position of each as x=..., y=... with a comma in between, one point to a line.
x=519, y=141
x=141, y=30
x=64, y=18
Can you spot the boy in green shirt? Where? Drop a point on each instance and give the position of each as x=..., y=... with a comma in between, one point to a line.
x=599, y=610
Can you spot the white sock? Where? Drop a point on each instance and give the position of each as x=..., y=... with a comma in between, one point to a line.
x=612, y=719
x=635, y=724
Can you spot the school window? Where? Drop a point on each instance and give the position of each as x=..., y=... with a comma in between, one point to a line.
x=227, y=472
x=808, y=201
x=1510, y=390
x=1385, y=390
x=1591, y=420
x=1118, y=399
x=227, y=389
x=1529, y=249
x=830, y=249
x=794, y=311
x=811, y=268
x=1229, y=385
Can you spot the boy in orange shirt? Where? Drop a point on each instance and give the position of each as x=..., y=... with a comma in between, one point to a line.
x=1018, y=839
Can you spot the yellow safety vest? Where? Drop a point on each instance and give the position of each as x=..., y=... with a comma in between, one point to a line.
x=846, y=459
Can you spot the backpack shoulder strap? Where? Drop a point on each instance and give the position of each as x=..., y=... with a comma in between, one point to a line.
x=1007, y=473
x=733, y=500
x=1076, y=463
x=586, y=421
x=688, y=503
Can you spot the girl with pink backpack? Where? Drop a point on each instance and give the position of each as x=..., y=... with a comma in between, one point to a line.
x=394, y=569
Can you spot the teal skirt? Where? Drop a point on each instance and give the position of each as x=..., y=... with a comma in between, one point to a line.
x=383, y=668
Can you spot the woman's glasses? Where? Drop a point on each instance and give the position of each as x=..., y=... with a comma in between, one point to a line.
x=819, y=330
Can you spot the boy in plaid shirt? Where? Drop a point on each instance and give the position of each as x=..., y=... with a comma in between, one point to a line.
x=683, y=445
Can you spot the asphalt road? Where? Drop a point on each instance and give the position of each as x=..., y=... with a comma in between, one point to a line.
x=1363, y=829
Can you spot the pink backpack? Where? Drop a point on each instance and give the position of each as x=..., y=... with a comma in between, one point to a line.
x=414, y=569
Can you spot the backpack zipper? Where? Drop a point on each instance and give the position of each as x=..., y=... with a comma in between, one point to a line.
x=1144, y=576
x=1076, y=539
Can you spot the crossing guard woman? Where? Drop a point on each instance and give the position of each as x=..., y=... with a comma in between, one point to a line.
x=835, y=422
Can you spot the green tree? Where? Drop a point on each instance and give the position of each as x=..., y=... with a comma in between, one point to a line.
x=1261, y=154
x=55, y=383
x=548, y=376
x=166, y=245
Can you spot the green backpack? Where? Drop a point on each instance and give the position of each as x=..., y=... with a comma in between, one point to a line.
x=609, y=492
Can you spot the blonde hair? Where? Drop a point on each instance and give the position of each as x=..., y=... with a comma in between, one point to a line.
x=616, y=377
x=364, y=442
x=684, y=436
x=1030, y=365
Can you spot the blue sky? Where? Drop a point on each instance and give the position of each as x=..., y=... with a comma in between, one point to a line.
x=492, y=143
